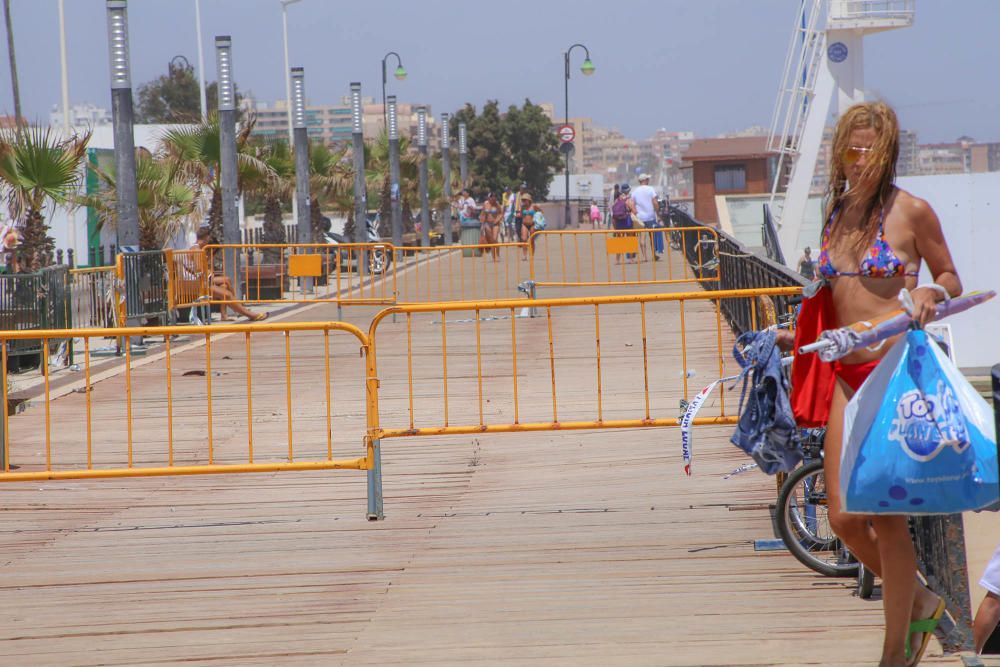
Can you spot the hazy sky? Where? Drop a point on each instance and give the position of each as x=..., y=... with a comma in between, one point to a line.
x=710, y=66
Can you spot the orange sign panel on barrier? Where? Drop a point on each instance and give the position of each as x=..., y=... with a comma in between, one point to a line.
x=621, y=245
x=305, y=266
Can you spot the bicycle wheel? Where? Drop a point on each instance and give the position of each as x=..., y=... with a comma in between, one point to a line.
x=804, y=525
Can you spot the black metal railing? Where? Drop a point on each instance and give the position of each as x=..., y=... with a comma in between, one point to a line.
x=28, y=301
x=738, y=269
x=145, y=282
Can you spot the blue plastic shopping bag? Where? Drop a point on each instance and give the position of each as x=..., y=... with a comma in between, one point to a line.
x=918, y=439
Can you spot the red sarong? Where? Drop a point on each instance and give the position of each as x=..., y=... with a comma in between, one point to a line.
x=812, y=379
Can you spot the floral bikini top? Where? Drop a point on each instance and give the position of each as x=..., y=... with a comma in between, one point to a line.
x=879, y=262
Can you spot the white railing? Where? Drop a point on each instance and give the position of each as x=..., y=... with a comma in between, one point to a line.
x=853, y=10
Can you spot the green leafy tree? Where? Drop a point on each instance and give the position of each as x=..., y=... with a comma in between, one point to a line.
x=166, y=200
x=532, y=148
x=508, y=149
x=175, y=97
x=36, y=168
x=272, y=188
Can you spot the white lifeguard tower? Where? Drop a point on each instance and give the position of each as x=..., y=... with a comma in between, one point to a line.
x=825, y=57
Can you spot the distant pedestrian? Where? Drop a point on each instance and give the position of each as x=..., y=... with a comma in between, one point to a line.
x=807, y=265
x=466, y=206
x=621, y=214
x=528, y=212
x=489, y=230
x=522, y=197
x=644, y=197
x=595, y=214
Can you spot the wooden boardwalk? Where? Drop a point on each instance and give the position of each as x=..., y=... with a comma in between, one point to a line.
x=550, y=548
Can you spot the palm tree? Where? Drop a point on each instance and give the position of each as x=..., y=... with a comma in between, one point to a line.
x=36, y=168
x=272, y=189
x=166, y=201
x=331, y=183
x=196, y=151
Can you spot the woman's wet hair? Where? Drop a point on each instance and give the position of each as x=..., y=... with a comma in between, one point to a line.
x=876, y=182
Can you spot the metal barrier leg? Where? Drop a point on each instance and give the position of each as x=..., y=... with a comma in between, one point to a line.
x=375, y=485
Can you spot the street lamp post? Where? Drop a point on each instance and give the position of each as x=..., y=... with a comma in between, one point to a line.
x=395, y=199
x=303, y=220
x=400, y=74
x=446, y=176
x=201, y=62
x=227, y=157
x=587, y=68
x=425, y=210
x=127, y=198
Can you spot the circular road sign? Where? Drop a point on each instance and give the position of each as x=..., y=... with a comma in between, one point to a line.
x=566, y=133
x=567, y=147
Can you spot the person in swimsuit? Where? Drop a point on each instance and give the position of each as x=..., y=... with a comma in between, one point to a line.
x=489, y=230
x=875, y=238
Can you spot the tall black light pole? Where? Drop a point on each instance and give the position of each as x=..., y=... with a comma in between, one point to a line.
x=587, y=68
x=463, y=156
x=360, y=192
x=446, y=176
x=127, y=204
x=300, y=134
x=395, y=196
x=400, y=74
x=227, y=158
x=425, y=209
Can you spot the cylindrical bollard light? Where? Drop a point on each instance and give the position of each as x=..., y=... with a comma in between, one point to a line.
x=425, y=209
x=463, y=156
x=395, y=199
x=360, y=192
x=127, y=204
x=227, y=158
x=300, y=134
x=446, y=223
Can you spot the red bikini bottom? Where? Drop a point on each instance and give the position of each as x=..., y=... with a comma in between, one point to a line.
x=854, y=374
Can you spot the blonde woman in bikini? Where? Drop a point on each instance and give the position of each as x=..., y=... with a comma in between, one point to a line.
x=874, y=241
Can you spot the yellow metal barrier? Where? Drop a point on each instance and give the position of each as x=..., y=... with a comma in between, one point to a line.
x=195, y=402
x=348, y=273
x=563, y=258
x=469, y=366
x=188, y=277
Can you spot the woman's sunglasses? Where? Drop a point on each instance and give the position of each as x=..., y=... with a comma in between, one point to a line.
x=853, y=153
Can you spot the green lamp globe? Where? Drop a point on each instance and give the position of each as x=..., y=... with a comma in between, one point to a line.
x=587, y=67
x=400, y=73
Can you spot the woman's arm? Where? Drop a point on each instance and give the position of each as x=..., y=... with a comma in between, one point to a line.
x=933, y=249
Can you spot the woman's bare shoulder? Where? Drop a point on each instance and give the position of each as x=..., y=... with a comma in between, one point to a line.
x=912, y=205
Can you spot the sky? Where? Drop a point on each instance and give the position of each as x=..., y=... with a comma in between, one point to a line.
x=708, y=66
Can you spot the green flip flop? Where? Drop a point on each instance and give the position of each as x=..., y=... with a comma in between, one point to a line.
x=925, y=626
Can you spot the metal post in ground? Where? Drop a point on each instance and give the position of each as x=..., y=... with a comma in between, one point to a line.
x=227, y=159
x=375, y=507
x=301, y=136
x=360, y=193
x=446, y=225
x=425, y=210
